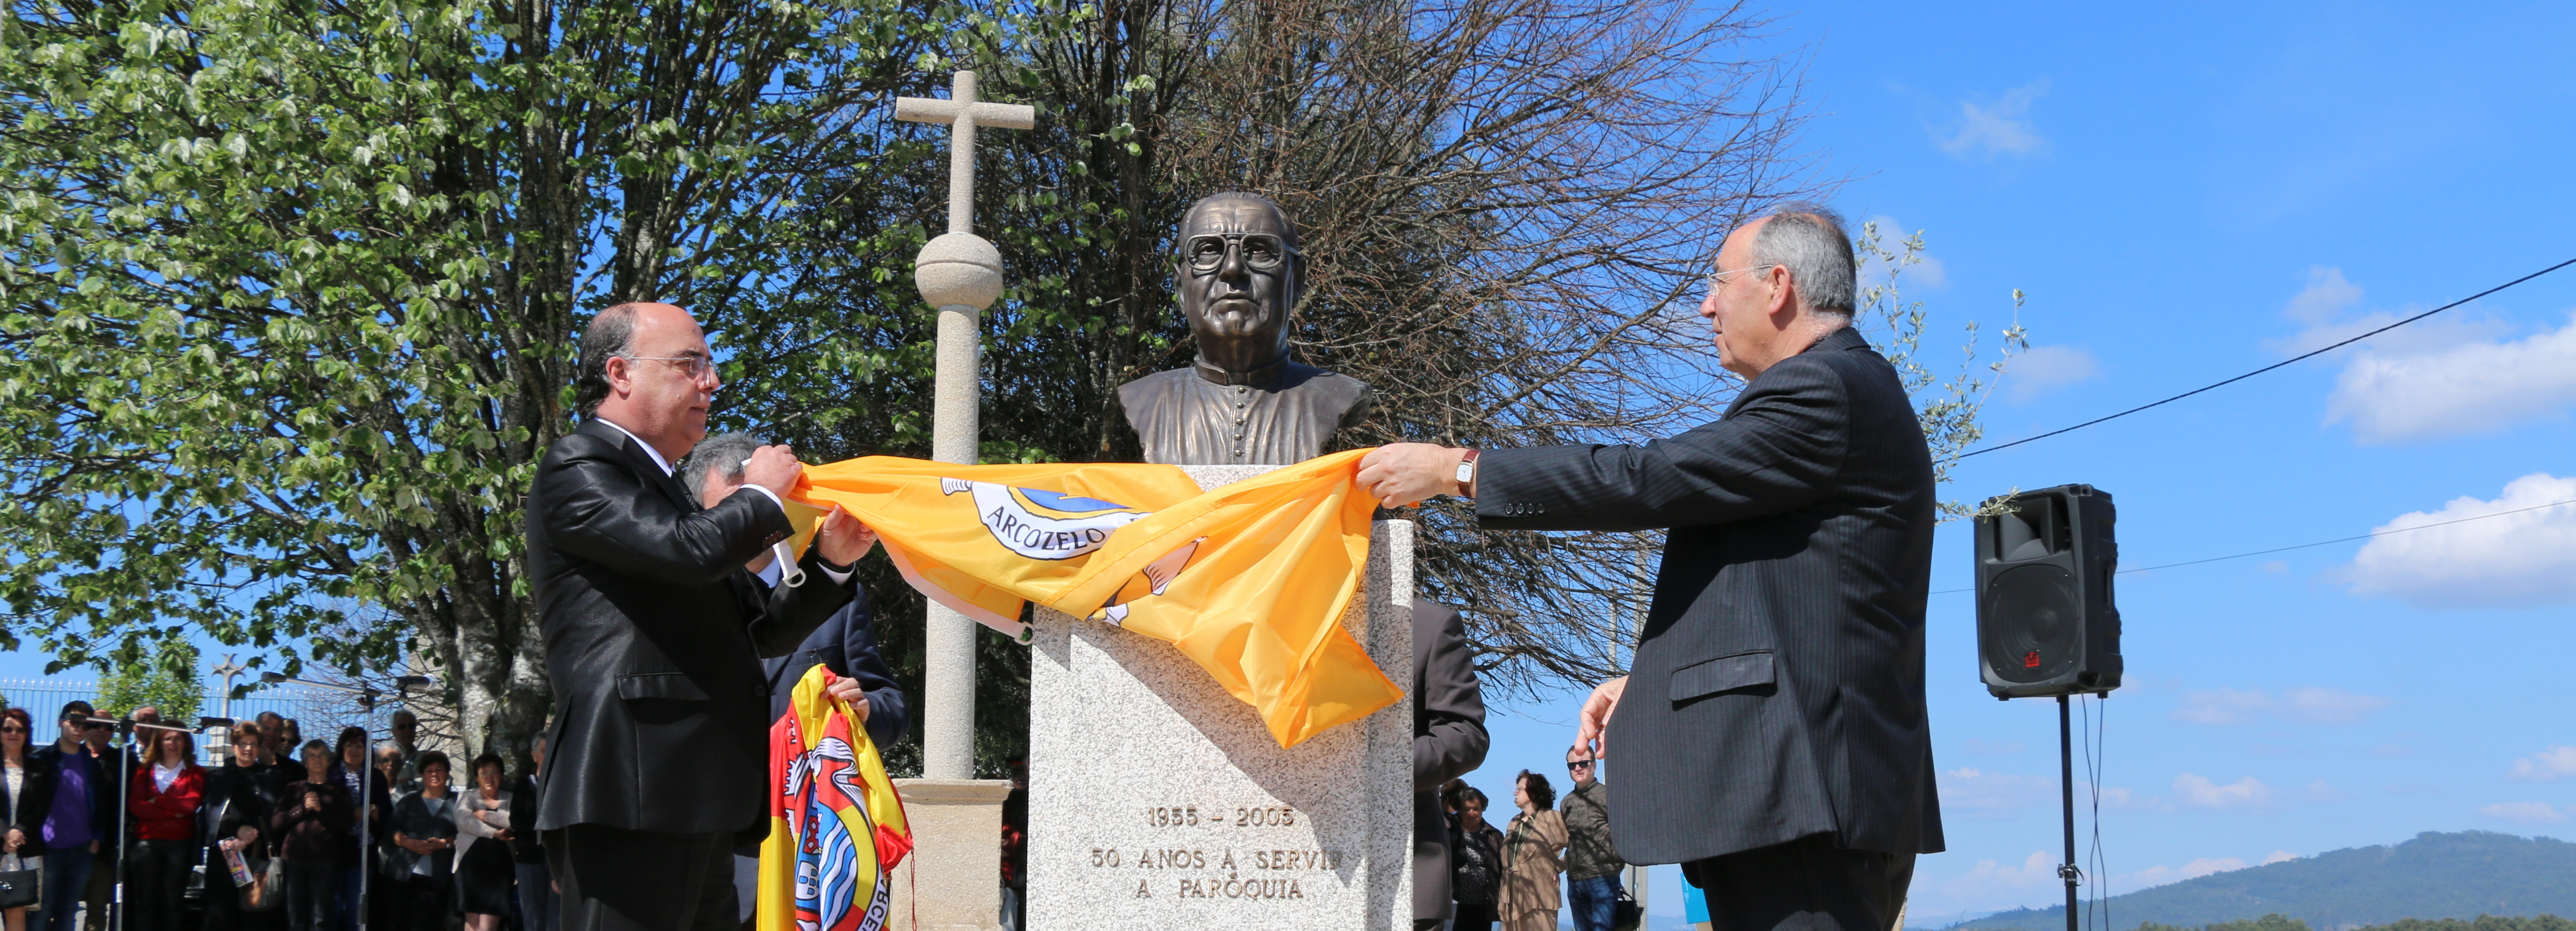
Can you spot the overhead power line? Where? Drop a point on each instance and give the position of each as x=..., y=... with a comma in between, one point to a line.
x=2267, y=368
x=2302, y=546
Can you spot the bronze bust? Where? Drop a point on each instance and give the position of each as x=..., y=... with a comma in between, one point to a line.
x=1242, y=402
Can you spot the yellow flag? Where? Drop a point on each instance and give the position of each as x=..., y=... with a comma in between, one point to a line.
x=1248, y=580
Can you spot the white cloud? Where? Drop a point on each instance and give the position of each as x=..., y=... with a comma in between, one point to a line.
x=1989, y=879
x=2449, y=375
x=2224, y=706
x=1926, y=271
x=2002, y=127
x=2160, y=875
x=2321, y=310
x=1979, y=794
x=2196, y=789
x=2329, y=706
x=2524, y=812
x=2517, y=558
x=2279, y=856
x=2326, y=296
x=2476, y=387
x=2042, y=369
x=2307, y=704
x=2546, y=765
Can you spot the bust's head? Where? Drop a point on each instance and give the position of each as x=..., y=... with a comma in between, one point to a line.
x=1240, y=276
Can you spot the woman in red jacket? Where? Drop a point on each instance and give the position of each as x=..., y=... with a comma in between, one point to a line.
x=167, y=788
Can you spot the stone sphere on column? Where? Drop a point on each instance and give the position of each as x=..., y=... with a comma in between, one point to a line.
x=959, y=269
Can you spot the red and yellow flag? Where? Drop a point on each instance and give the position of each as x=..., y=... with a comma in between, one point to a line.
x=1248, y=580
x=836, y=826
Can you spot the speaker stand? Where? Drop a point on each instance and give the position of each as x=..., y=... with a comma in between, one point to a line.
x=2066, y=782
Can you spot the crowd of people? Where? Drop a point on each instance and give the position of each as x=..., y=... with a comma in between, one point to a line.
x=285, y=833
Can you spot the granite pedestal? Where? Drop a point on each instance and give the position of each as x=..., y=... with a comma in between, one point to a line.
x=947, y=883
x=1157, y=800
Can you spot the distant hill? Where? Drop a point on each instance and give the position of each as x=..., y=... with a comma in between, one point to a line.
x=2433, y=876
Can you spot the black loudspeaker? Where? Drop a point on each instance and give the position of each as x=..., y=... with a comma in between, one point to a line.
x=2046, y=624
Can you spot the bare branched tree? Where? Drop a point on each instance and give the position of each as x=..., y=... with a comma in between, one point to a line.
x=1508, y=207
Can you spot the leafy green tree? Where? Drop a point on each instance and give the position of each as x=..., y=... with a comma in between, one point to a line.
x=287, y=289
x=167, y=680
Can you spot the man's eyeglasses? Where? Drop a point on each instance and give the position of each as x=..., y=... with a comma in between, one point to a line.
x=94, y=725
x=694, y=367
x=1718, y=279
x=1262, y=252
x=1578, y=764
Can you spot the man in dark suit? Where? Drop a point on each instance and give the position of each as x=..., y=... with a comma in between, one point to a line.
x=1778, y=747
x=654, y=632
x=1449, y=739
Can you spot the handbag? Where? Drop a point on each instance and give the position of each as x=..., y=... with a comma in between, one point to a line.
x=18, y=887
x=267, y=889
x=1626, y=914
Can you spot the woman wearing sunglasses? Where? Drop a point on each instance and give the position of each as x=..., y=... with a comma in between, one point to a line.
x=29, y=785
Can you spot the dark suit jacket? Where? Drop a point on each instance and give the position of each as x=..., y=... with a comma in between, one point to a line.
x=653, y=637
x=846, y=644
x=1777, y=690
x=1448, y=740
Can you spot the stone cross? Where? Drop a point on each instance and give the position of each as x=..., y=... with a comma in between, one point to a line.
x=961, y=274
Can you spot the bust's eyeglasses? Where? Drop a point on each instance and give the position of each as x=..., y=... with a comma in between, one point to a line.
x=1718, y=279
x=691, y=367
x=1262, y=252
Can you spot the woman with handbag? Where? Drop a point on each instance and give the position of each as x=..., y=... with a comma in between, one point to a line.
x=30, y=795
x=168, y=785
x=1533, y=858
x=239, y=800
x=424, y=826
x=484, y=873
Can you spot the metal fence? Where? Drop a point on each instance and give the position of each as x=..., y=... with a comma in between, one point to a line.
x=318, y=713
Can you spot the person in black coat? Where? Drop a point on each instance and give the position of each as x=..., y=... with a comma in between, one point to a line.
x=527, y=857
x=1772, y=735
x=1449, y=739
x=239, y=800
x=312, y=828
x=653, y=632
x=23, y=806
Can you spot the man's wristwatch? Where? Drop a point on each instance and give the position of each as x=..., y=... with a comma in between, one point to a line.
x=1467, y=474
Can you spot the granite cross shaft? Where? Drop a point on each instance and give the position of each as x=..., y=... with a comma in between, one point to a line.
x=961, y=274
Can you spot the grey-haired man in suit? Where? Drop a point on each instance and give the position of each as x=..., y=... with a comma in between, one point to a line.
x=1776, y=745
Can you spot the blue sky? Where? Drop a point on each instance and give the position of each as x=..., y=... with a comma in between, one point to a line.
x=2188, y=192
